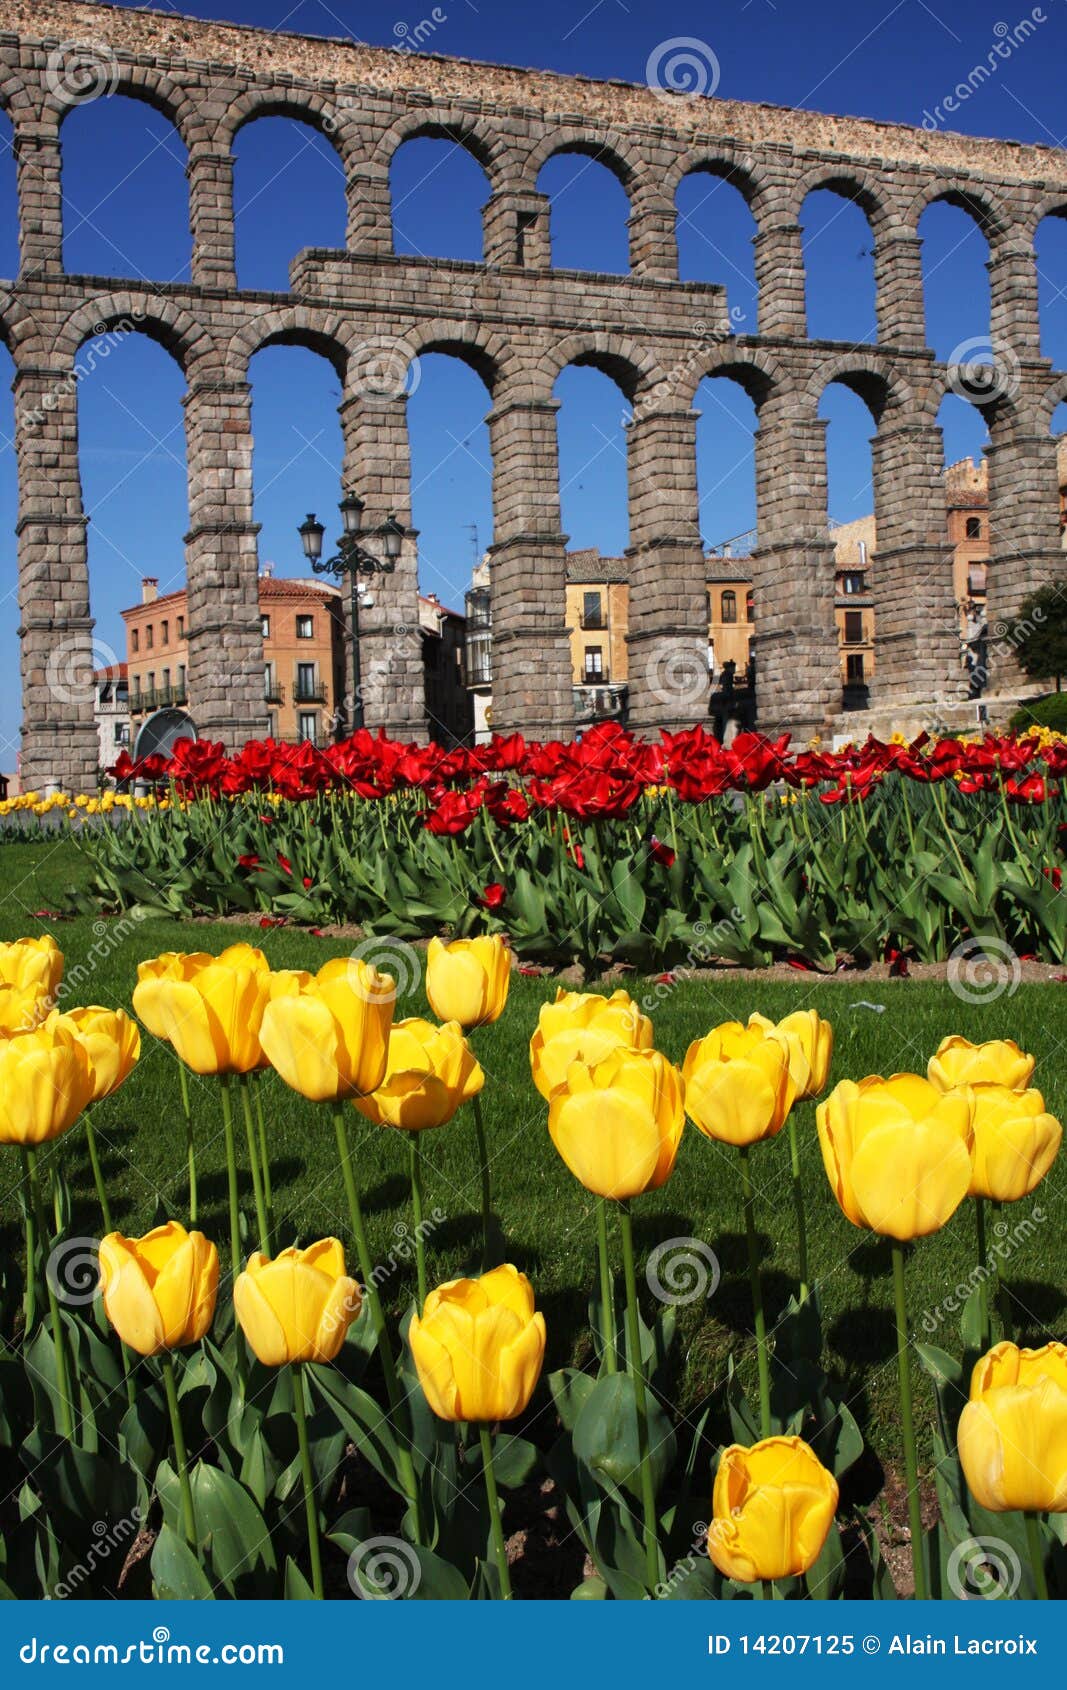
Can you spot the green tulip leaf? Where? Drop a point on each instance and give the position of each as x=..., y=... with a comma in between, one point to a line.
x=238, y=1544
x=297, y=1588
x=177, y=1575
x=606, y=1439
x=592, y=1589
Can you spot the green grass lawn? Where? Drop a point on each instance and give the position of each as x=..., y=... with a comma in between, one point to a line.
x=546, y=1217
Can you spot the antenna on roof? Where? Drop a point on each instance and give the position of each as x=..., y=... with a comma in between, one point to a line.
x=472, y=530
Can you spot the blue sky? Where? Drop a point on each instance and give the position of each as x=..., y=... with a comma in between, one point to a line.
x=125, y=214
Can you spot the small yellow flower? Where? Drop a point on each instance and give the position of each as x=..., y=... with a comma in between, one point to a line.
x=467, y=981
x=298, y=1306
x=159, y=1291
x=478, y=1346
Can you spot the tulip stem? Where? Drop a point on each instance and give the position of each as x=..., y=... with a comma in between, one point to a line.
x=231, y=1175
x=487, y=1190
x=496, y=1524
x=183, y=1080
x=633, y=1336
x=911, y=1460
x=1003, y=1294
x=66, y=1413
x=311, y=1507
x=983, y=1272
x=253, y=1161
x=1037, y=1555
x=181, y=1458
x=29, y=1301
x=415, y=1153
x=370, y=1291
x=607, y=1299
x=759, y=1319
x=798, y=1204
x=264, y=1158
x=98, y=1177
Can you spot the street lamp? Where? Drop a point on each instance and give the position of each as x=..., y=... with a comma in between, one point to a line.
x=353, y=559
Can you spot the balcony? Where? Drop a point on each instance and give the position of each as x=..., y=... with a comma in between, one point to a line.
x=274, y=693
x=311, y=692
x=595, y=678
x=158, y=698
x=595, y=619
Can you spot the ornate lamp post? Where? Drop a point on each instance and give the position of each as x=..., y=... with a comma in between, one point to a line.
x=354, y=560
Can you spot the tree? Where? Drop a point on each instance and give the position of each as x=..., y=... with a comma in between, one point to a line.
x=1038, y=633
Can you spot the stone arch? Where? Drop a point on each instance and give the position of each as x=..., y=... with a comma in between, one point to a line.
x=881, y=390
x=980, y=201
x=483, y=351
x=608, y=148
x=850, y=182
x=756, y=372
x=634, y=370
x=303, y=106
x=741, y=172
x=294, y=326
x=15, y=97
x=1053, y=397
x=493, y=151
x=179, y=105
x=162, y=320
x=18, y=330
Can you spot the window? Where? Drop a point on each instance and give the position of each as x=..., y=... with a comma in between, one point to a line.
x=305, y=680
x=269, y=684
x=149, y=638
x=165, y=679
x=264, y=627
x=150, y=681
x=272, y=725
x=852, y=582
x=181, y=679
x=974, y=528
x=307, y=725
x=135, y=639
x=729, y=606
x=594, y=663
x=592, y=611
x=750, y=606
x=305, y=627
x=122, y=733
x=853, y=627
x=854, y=668
x=181, y=627
x=164, y=633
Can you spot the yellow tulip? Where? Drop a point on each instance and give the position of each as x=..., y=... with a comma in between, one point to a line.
x=999, y=1062
x=899, y=1154
x=209, y=1008
x=772, y=1510
x=430, y=1072
x=22, y=1008
x=328, y=1035
x=738, y=1084
x=159, y=1290
x=617, y=1123
x=478, y=1346
x=583, y=1027
x=298, y=1306
x=1012, y=1435
x=811, y=1047
x=467, y=981
x=112, y=1043
x=45, y=1083
x=32, y=962
x=1015, y=1142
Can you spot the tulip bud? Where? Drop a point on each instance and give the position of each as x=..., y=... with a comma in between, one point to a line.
x=811, y=1047
x=45, y=1083
x=899, y=1154
x=329, y=1037
x=298, y=1306
x=467, y=981
x=617, y=1123
x=738, y=1086
x=773, y=1508
x=209, y=1008
x=112, y=1043
x=478, y=1346
x=1015, y=1142
x=159, y=1291
x=1012, y=1435
x=583, y=1027
x=999, y=1062
x=430, y=1072
x=32, y=962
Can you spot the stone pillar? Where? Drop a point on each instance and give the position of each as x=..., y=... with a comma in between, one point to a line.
x=210, y=178
x=60, y=748
x=653, y=240
x=515, y=229
x=377, y=466
x=667, y=644
x=532, y=679
x=796, y=648
x=917, y=620
x=1014, y=320
x=1024, y=538
x=779, y=263
x=226, y=676
x=370, y=210
x=898, y=280
x=40, y=195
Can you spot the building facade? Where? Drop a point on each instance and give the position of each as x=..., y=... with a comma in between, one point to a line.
x=112, y=713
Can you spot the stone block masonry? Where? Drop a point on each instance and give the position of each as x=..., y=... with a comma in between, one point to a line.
x=518, y=323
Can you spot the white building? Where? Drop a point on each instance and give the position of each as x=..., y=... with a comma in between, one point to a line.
x=111, y=711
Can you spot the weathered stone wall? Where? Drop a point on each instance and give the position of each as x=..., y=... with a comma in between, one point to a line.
x=518, y=323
